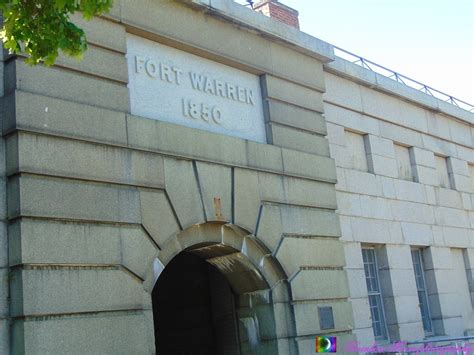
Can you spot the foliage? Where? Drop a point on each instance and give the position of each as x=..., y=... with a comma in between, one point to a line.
x=40, y=28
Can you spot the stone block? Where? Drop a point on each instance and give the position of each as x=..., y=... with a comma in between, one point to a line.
x=425, y=175
x=411, y=331
x=388, y=187
x=281, y=90
x=295, y=252
x=299, y=140
x=438, y=146
x=307, y=320
x=381, y=165
x=375, y=207
x=335, y=134
x=346, y=228
x=430, y=195
x=422, y=157
x=343, y=92
x=458, y=166
x=447, y=305
x=308, y=165
x=215, y=182
x=308, y=71
x=137, y=251
x=437, y=258
x=369, y=230
x=71, y=86
x=269, y=227
x=341, y=179
x=246, y=199
x=357, y=284
x=400, y=134
x=306, y=221
x=364, y=336
x=461, y=182
x=47, y=114
x=453, y=327
x=353, y=253
x=183, y=191
x=397, y=257
x=264, y=156
x=350, y=119
x=53, y=242
x=348, y=204
x=331, y=284
x=61, y=198
x=409, y=191
x=339, y=154
x=457, y=237
x=157, y=216
x=460, y=132
x=363, y=183
x=45, y=290
x=402, y=282
x=439, y=281
x=438, y=238
x=438, y=125
x=295, y=116
x=466, y=201
x=102, y=333
x=417, y=234
x=98, y=62
x=71, y=158
x=379, y=146
x=452, y=217
x=159, y=136
x=361, y=312
x=294, y=191
x=395, y=230
x=102, y=32
x=412, y=212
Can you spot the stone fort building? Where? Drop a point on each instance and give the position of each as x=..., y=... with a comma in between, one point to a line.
x=210, y=180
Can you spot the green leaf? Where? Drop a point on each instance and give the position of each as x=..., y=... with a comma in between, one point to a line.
x=42, y=28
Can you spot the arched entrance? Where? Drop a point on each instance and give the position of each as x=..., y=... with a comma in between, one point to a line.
x=216, y=294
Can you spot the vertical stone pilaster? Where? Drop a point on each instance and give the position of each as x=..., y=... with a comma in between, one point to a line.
x=445, y=314
x=399, y=293
x=459, y=176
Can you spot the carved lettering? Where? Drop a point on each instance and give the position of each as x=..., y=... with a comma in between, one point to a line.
x=151, y=68
x=178, y=72
x=166, y=73
x=210, y=86
x=194, y=110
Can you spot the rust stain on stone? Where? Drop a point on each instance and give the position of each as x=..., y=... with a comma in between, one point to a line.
x=218, y=209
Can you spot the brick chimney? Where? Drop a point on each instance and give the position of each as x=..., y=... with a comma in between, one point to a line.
x=278, y=11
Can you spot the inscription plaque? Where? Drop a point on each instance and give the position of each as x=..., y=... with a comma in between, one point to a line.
x=171, y=85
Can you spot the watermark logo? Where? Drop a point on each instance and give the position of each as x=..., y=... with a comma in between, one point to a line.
x=326, y=344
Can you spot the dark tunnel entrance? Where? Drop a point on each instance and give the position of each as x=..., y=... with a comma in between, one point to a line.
x=194, y=309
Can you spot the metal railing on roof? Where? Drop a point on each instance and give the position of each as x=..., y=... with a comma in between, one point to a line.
x=402, y=79
x=440, y=345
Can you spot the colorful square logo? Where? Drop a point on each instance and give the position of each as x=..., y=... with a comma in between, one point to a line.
x=326, y=344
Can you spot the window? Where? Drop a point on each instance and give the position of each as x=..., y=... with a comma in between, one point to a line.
x=355, y=149
x=402, y=156
x=442, y=170
x=375, y=298
x=421, y=287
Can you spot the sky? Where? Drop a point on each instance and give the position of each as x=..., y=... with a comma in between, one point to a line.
x=431, y=41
